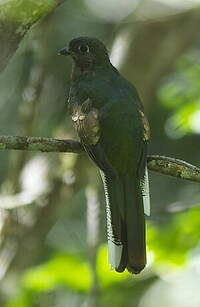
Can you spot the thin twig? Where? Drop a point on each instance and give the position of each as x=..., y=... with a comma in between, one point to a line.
x=164, y=165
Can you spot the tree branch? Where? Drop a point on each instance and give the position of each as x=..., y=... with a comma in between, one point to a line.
x=174, y=167
x=16, y=18
x=39, y=144
x=164, y=165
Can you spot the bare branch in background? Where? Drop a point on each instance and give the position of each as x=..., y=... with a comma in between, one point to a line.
x=164, y=165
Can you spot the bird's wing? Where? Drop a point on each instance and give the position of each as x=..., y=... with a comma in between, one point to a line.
x=87, y=123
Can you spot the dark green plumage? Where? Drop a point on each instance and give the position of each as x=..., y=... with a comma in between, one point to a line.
x=109, y=118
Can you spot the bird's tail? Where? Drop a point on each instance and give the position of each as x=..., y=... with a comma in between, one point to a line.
x=125, y=223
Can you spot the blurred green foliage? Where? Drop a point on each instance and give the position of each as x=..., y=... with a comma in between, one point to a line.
x=25, y=11
x=71, y=271
x=171, y=243
x=181, y=94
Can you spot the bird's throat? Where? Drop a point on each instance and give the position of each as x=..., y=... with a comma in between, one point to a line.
x=80, y=69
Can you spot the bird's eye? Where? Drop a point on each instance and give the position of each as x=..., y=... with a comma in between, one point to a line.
x=83, y=48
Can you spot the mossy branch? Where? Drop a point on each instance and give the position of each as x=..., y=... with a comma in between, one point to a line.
x=164, y=165
x=39, y=144
x=174, y=167
x=16, y=18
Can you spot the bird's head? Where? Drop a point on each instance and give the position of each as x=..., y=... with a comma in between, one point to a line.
x=86, y=52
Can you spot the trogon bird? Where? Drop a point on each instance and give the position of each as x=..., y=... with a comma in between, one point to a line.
x=110, y=121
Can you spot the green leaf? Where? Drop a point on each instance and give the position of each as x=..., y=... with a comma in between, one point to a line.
x=180, y=94
x=172, y=242
x=69, y=270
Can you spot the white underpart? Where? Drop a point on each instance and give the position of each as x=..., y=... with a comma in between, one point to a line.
x=115, y=247
x=146, y=197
